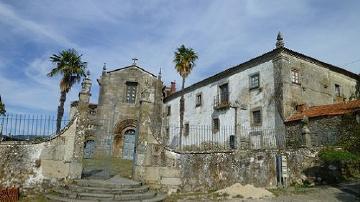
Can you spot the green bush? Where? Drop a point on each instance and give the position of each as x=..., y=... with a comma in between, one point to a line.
x=333, y=155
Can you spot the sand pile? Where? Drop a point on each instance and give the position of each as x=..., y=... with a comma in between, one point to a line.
x=247, y=191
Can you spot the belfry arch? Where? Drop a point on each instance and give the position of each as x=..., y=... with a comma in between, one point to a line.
x=124, y=139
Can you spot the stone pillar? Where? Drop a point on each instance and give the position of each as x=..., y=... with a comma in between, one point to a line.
x=148, y=126
x=306, y=132
x=82, y=126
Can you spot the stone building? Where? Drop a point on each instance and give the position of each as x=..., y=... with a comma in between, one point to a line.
x=121, y=93
x=244, y=106
x=253, y=99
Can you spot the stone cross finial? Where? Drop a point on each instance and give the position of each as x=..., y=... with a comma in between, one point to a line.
x=134, y=61
x=279, y=41
x=159, y=76
x=104, y=67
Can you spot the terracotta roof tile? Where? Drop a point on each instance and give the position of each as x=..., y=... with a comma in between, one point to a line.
x=326, y=110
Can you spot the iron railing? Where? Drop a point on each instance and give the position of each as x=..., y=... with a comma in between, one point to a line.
x=20, y=127
x=222, y=100
x=226, y=138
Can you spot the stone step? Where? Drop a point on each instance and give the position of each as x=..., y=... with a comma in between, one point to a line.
x=57, y=198
x=119, y=197
x=107, y=184
x=122, y=190
x=124, y=197
x=157, y=198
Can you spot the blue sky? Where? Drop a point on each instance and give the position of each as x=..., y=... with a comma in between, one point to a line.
x=223, y=32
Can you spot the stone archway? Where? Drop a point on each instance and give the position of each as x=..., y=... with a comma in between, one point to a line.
x=120, y=129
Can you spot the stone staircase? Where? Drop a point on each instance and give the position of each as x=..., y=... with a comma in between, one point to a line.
x=113, y=189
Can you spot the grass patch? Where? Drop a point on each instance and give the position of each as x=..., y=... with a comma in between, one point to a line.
x=118, y=166
x=332, y=155
x=37, y=198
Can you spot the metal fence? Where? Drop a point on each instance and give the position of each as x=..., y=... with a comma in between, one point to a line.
x=20, y=127
x=225, y=138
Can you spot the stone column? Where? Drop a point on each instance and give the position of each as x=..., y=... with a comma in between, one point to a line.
x=82, y=126
x=148, y=125
x=306, y=132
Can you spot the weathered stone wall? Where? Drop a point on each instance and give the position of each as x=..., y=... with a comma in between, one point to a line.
x=20, y=165
x=302, y=164
x=29, y=166
x=204, y=172
x=316, y=87
x=216, y=171
x=323, y=131
x=57, y=154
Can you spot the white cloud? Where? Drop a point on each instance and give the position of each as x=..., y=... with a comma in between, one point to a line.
x=7, y=15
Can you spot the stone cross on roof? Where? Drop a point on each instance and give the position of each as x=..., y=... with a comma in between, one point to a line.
x=134, y=59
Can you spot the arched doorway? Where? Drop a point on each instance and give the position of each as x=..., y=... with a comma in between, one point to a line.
x=129, y=144
x=124, y=139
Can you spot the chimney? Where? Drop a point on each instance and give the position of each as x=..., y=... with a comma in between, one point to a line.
x=172, y=87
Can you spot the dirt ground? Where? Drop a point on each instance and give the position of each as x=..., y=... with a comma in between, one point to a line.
x=341, y=193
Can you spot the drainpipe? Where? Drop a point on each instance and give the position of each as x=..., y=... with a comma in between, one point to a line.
x=235, y=121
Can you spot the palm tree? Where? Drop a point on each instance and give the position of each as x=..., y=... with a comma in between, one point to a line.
x=2, y=108
x=184, y=62
x=69, y=65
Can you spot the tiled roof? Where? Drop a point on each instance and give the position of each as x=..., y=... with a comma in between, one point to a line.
x=326, y=110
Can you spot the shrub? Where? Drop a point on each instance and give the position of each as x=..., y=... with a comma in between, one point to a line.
x=332, y=155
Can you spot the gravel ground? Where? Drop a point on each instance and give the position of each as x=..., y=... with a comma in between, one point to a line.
x=318, y=194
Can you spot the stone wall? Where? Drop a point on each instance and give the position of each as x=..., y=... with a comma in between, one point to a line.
x=57, y=154
x=31, y=166
x=20, y=165
x=204, y=172
x=324, y=131
x=316, y=83
x=215, y=171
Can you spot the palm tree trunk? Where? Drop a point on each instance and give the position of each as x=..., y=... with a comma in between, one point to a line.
x=60, y=112
x=182, y=109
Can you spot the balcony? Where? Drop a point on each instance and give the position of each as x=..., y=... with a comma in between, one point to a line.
x=221, y=101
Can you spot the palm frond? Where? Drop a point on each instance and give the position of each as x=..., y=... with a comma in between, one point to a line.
x=184, y=59
x=68, y=63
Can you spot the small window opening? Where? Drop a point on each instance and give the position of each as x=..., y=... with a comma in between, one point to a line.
x=337, y=90
x=254, y=81
x=216, y=125
x=295, y=76
x=256, y=117
x=168, y=110
x=186, y=129
x=198, y=99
